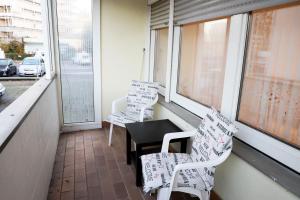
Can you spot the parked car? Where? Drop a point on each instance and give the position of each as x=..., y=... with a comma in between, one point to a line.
x=7, y=67
x=2, y=90
x=82, y=58
x=32, y=66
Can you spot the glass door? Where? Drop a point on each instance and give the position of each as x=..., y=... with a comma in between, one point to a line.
x=75, y=34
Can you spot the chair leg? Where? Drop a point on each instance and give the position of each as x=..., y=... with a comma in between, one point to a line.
x=110, y=134
x=164, y=194
x=205, y=195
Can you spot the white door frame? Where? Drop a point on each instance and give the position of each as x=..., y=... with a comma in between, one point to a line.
x=95, y=9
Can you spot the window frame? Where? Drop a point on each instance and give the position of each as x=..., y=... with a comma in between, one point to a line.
x=49, y=36
x=153, y=38
x=235, y=60
x=189, y=104
x=275, y=148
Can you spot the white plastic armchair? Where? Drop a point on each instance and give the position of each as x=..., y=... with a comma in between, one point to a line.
x=165, y=193
x=119, y=105
x=116, y=104
x=142, y=113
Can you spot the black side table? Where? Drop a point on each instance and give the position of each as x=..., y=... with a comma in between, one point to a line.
x=147, y=134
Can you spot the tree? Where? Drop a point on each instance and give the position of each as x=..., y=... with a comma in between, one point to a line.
x=13, y=49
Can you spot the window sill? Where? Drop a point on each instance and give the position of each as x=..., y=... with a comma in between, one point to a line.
x=279, y=173
x=17, y=111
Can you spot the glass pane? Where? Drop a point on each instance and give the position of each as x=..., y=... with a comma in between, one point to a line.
x=160, y=58
x=202, y=61
x=21, y=40
x=270, y=99
x=75, y=45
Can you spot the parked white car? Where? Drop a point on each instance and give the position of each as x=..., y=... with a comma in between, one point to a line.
x=82, y=58
x=32, y=66
x=2, y=90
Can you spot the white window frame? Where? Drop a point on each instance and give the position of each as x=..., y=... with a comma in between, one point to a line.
x=153, y=39
x=165, y=91
x=49, y=37
x=189, y=104
x=276, y=149
x=96, y=32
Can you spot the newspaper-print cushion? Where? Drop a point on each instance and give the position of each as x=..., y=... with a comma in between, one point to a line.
x=213, y=136
x=158, y=169
x=121, y=118
x=140, y=94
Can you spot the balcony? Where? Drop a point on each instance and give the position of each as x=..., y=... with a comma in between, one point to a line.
x=241, y=57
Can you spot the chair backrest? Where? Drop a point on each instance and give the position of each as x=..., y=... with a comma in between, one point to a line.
x=213, y=138
x=140, y=94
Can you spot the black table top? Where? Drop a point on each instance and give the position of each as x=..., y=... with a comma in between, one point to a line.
x=151, y=132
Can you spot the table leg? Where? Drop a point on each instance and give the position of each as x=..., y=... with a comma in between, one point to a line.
x=138, y=165
x=183, y=146
x=128, y=147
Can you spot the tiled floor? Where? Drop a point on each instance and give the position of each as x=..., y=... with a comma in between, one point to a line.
x=86, y=168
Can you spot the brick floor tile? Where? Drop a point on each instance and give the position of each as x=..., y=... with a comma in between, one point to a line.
x=69, y=161
x=107, y=190
x=67, y=195
x=68, y=171
x=54, y=196
x=80, y=175
x=115, y=175
x=100, y=161
x=79, y=146
x=103, y=173
x=68, y=184
x=80, y=190
x=58, y=167
x=99, y=171
x=81, y=198
x=92, y=179
x=80, y=164
x=95, y=193
x=112, y=164
x=120, y=190
x=79, y=154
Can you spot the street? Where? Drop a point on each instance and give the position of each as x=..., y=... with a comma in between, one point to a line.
x=14, y=88
x=77, y=92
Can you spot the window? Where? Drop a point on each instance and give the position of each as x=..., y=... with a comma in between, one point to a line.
x=270, y=97
x=158, y=60
x=207, y=70
x=202, y=61
x=76, y=60
x=22, y=49
x=199, y=64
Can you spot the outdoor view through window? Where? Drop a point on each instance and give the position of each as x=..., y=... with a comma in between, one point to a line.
x=21, y=48
x=76, y=60
x=202, y=61
x=270, y=99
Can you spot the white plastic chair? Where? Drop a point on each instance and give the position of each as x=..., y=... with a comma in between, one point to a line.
x=136, y=106
x=204, y=157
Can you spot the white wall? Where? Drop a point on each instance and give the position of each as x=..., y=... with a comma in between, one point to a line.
x=235, y=179
x=26, y=162
x=123, y=35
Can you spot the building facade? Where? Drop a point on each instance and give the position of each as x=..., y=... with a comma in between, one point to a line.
x=20, y=19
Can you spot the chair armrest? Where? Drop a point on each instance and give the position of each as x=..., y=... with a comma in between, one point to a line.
x=170, y=136
x=116, y=102
x=141, y=117
x=195, y=165
x=211, y=163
